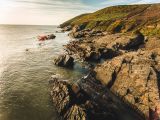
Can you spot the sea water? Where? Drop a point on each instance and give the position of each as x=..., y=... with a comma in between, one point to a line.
x=25, y=68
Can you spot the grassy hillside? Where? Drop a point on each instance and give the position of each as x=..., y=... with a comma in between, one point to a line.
x=124, y=18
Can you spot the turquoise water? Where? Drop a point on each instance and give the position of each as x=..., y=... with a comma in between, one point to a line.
x=24, y=75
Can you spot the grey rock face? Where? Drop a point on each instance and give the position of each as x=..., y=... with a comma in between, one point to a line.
x=64, y=61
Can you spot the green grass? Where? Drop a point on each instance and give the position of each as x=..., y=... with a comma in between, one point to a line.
x=123, y=18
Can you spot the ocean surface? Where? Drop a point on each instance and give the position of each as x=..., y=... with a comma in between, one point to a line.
x=24, y=75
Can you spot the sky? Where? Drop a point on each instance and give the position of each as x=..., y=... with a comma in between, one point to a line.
x=53, y=12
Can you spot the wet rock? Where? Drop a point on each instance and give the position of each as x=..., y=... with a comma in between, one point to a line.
x=46, y=37
x=51, y=36
x=122, y=41
x=64, y=61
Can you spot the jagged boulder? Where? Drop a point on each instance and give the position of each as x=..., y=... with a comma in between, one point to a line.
x=64, y=61
x=51, y=36
x=65, y=100
x=61, y=95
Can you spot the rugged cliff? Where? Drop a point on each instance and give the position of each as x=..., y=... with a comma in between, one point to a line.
x=123, y=43
x=124, y=18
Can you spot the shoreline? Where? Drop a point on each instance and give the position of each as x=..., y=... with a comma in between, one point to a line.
x=124, y=59
x=81, y=102
x=75, y=89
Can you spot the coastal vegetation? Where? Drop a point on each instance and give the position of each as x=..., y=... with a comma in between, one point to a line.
x=123, y=18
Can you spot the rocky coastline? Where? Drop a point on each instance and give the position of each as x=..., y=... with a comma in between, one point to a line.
x=125, y=73
x=130, y=71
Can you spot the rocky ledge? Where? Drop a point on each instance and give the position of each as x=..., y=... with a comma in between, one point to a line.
x=64, y=61
x=105, y=47
x=86, y=33
x=134, y=77
x=130, y=70
x=88, y=99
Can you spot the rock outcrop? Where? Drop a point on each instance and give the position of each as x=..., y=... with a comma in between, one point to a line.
x=108, y=46
x=78, y=28
x=134, y=77
x=46, y=37
x=67, y=28
x=64, y=61
x=64, y=100
x=80, y=101
x=51, y=36
x=86, y=33
x=131, y=69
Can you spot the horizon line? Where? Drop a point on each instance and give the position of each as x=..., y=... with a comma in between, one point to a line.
x=29, y=24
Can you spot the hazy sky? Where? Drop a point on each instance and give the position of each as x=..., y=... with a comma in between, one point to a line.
x=52, y=12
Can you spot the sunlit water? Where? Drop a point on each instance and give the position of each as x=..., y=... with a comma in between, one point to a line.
x=24, y=75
